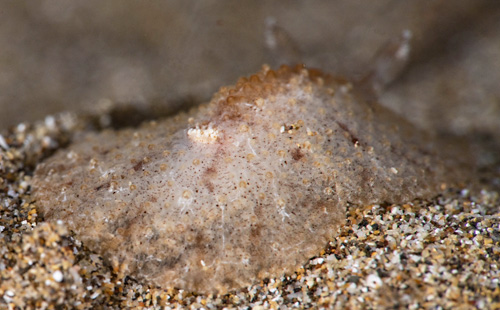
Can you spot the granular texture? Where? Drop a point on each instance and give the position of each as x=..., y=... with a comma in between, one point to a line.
x=248, y=186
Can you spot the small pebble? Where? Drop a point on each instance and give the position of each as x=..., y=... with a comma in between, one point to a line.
x=58, y=276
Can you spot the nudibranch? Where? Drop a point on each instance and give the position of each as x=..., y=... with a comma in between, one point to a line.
x=247, y=186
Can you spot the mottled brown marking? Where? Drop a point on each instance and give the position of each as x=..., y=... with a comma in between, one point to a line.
x=210, y=171
x=138, y=166
x=256, y=231
x=199, y=240
x=103, y=186
x=209, y=174
x=210, y=186
x=297, y=154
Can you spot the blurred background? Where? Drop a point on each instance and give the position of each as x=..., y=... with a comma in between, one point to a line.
x=58, y=55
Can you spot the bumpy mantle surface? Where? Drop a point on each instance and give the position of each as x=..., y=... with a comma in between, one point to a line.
x=247, y=186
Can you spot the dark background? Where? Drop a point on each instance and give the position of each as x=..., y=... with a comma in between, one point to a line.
x=58, y=55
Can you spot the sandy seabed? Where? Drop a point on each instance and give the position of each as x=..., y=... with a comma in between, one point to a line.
x=442, y=253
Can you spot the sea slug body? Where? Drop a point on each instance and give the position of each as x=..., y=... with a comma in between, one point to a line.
x=247, y=186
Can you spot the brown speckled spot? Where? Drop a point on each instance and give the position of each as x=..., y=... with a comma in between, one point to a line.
x=138, y=165
x=297, y=154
